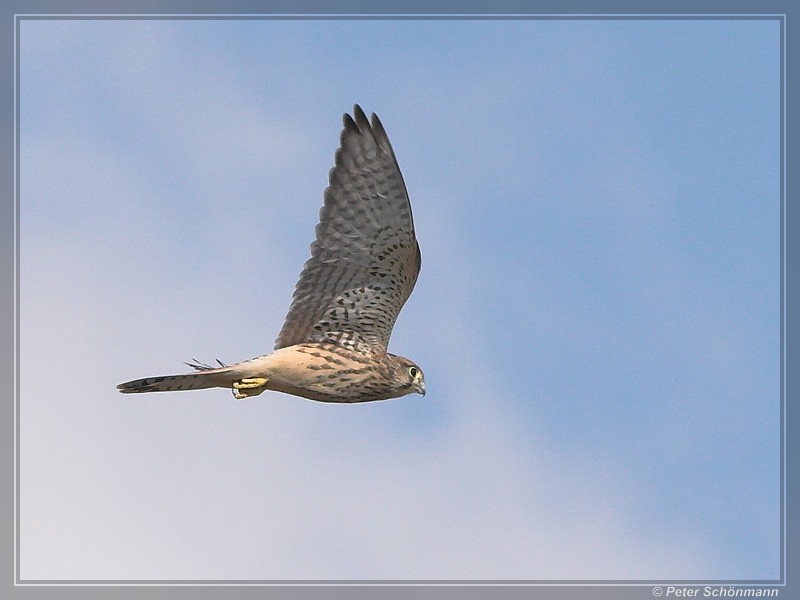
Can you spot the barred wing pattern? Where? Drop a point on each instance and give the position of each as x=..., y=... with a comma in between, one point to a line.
x=365, y=259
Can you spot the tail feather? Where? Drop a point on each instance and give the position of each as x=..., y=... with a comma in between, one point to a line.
x=203, y=379
x=201, y=366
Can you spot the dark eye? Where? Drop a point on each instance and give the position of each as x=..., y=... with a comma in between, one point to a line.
x=413, y=371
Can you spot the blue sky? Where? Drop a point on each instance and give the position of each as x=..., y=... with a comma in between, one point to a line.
x=597, y=315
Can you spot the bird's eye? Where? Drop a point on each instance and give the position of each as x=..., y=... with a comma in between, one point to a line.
x=413, y=371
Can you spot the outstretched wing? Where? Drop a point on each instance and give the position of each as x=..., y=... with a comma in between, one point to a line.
x=365, y=260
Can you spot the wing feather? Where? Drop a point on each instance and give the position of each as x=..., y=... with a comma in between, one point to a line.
x=365, y=259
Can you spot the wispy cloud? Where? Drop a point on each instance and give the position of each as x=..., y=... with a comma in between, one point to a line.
x=173, y=225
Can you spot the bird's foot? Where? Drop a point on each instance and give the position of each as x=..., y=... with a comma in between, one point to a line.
x=249, y=386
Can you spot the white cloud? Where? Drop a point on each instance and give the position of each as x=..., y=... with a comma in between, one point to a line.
x=199, y=486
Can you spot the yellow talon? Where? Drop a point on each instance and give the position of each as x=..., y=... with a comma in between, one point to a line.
x=253, y=385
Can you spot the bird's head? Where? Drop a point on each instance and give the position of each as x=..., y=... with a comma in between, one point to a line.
x=407, y=376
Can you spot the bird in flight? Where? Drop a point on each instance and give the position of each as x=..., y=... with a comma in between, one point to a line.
x=364, y=263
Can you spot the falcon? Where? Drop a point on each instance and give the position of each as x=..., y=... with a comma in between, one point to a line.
x=364, y=263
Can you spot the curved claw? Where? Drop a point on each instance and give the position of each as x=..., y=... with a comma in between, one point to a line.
x=249, y=386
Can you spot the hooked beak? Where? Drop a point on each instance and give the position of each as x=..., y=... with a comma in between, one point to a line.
x=421, y=388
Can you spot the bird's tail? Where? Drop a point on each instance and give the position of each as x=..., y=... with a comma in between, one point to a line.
x=205, y=377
